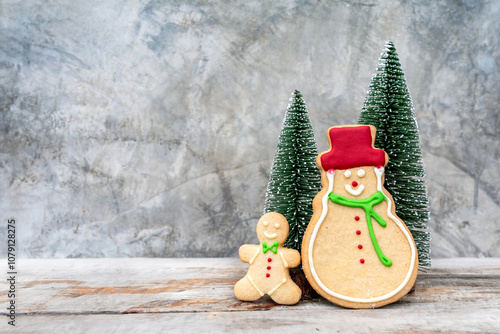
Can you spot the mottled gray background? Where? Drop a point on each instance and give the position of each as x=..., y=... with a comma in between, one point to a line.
x=137, y=128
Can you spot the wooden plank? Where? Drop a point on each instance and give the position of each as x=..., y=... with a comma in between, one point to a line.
x=277, y=321
x=457, y=294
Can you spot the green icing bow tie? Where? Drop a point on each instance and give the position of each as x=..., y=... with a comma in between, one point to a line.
x=273, y=248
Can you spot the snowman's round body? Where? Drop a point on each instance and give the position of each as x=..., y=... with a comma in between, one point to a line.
x=356, y=252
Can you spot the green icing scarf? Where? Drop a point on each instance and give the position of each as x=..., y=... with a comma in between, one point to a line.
x=367, y=205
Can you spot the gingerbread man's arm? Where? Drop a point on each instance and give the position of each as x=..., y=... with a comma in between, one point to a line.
x=290, y=257
x=247, y=252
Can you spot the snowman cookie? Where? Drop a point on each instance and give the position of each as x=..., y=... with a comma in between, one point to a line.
x=356, y=252
x=268, y=273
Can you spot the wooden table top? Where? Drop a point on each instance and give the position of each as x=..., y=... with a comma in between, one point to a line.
x=195, y=295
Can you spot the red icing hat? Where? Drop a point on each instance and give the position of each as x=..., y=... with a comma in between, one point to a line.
x=351, y=147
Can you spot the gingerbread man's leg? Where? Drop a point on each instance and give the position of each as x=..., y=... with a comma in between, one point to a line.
x=246, y=289
x=286, y=293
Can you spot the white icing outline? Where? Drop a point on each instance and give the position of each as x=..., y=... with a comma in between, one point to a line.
x=270, y=236
x=284, y=261
x=273, y=290
x=378, y=172
x=256, y=254
x=255, y=286
x=353, y=192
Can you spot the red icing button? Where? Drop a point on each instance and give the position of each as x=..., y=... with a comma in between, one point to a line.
x=361, y=260
x=360, y=246
x=379, y=166
x=267, y=275
x=356, y=218
x=269, y=260
x=268, y=267
x=358, y=232
x=354, y=184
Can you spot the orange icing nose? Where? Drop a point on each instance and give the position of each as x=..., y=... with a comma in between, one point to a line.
x=354, y=184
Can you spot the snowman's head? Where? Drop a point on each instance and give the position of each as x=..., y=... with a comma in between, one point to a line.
x=355, y=160
x=357, y=183
x=272, y=227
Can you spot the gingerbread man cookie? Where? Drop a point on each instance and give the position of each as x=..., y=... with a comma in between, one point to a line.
x=269, y=264
x=356, y=251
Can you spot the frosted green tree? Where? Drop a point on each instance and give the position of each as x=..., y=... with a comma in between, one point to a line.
x=389, y=108
x=295, y=179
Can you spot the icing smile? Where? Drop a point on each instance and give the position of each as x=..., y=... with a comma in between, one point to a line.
x=353, y=192
x=270, y=236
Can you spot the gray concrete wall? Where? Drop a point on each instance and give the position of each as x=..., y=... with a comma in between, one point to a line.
x=136, y=128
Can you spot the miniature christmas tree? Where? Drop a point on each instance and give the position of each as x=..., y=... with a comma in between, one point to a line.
x=389, y=108
x=294, y=179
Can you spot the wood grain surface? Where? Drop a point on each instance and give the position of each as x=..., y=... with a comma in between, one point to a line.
x=459, y=295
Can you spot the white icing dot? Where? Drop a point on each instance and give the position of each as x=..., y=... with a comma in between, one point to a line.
x=277, y=225
x=265, y=223
x=361, y=172
x=347, y=174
